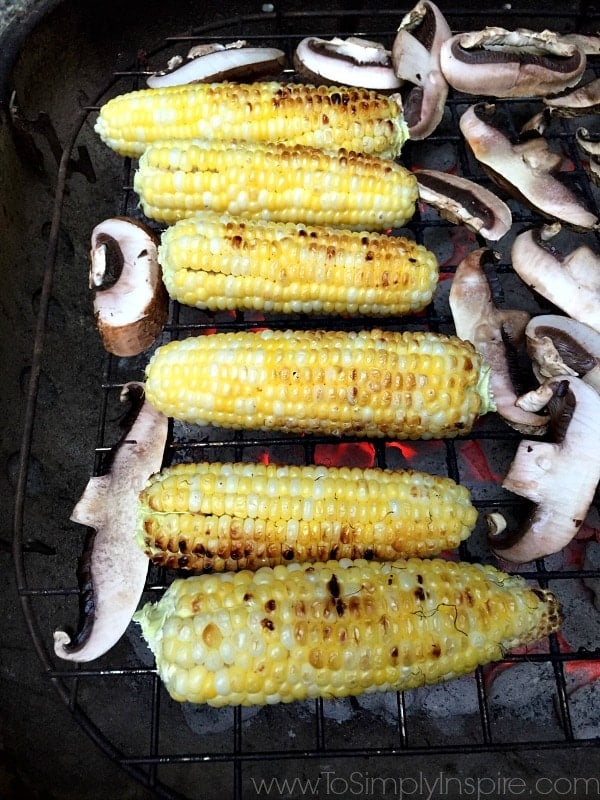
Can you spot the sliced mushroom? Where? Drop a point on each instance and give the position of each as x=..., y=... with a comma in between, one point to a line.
x=526, y=169
x=130, y=301
x=571, y=282
x=114, y=568
x=583, y=100
x=562, y=346
x=464, y=202
x=416, y=59
x=559, y=477
x=501, y=63
x=589, y=144
x=488, y=328
x=217, y=62
x=352, y=62
x=588, y=43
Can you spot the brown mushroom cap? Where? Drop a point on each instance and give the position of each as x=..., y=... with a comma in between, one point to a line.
x=571, y=282
x=131, y=308
x=559, y=477
x=526, y=169
x=477, y=320
x=351, y=62
x=464, y=202
x=117, y=566
x=501, y=63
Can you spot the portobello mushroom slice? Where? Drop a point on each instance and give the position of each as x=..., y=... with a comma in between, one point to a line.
x=464, y=202
x=560, y=345
x=352, y=62
x=491, y=330
x=583, y=100
x=113, y=568
x=571, y=282
x=131, y=303
x=416, y=61
x=501, y=63
x=527, y=169
x=217, y=62
x=559, y=477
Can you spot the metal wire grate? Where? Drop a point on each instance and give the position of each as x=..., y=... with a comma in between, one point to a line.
x=229, y=758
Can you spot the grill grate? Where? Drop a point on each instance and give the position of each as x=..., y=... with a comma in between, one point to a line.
x=165, y=748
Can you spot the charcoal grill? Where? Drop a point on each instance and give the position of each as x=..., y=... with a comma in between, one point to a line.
x=182, y=752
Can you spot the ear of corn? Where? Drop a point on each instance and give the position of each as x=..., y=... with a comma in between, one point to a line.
x=370, y=383
x=337, y=629
x=221, y=262
x=327, y=117
x=274, y=182
x=221, y=516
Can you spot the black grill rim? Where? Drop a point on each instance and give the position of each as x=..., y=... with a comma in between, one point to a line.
x=65, y=680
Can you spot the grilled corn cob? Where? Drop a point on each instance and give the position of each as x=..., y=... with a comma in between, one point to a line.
x=275, y=182
x=222, y=262
x=327, y=117
x=370, y=383
x=215, y=516
x=336, y=629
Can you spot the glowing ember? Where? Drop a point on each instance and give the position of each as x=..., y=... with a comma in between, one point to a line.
x=477, y=463
x=407, y=451
x=348, y=454
x=462, y=240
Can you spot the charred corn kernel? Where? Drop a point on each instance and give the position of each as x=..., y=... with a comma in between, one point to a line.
x=221, y=262
x=338, y=628
x=327, y=117
x=406, y=385
x=274, y=182
x=248, y=511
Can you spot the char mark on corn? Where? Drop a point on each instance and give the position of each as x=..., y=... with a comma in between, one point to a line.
x=327, y=117
x=338, y=628
x=232, y=516
x=375, y=383
x=220, y=262
x=275, y=182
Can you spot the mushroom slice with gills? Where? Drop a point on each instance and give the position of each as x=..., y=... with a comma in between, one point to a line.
x=218, y=62
x=500, y=63
x=583, y=100
x=526, y=170
x=560, y=345
x=493, y=332
x=589, y=145
x=462, y=201
x=352, y=62
x=571, y=282
x=559, y=477
x=416, y=60
x=131, y=303
x=588, y=43
x=113, y=568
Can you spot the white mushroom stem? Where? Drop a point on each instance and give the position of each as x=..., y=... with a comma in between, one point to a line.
x=559, y=477
x=118, y=566
x=571, y=282
x=477, y=319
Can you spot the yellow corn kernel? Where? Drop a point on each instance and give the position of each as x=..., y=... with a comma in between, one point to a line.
x=338, y=628
x=263, y=515
x=221, y=262
x=277, y=182
x=406, y=385
x=327, y=117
